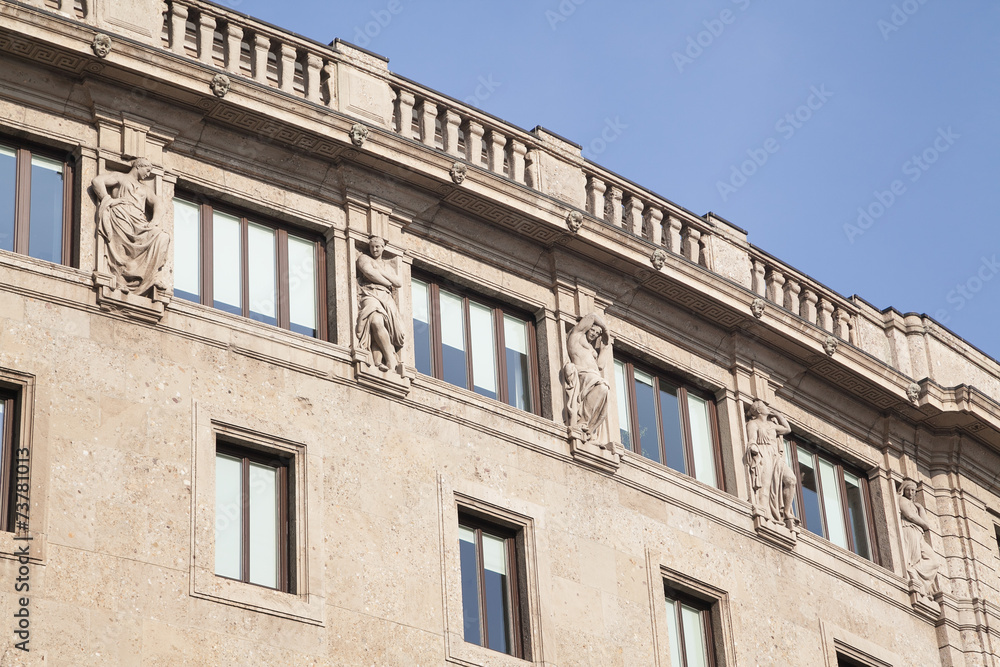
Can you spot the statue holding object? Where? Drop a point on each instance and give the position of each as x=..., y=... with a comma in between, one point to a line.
x=379, y=328
x=589, y=348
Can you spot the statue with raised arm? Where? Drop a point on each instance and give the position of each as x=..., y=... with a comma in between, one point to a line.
x=379, y=327
x=923, y=565
x=589, y=348
x=136, y=247
x=772, y=481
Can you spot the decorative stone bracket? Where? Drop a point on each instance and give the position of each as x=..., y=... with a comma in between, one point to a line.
x=607, y=457
x=779, y=534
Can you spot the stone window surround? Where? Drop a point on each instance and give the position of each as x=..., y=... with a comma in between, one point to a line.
x=459, y=497
x=837, y=640
x=22, y=385
x=306, y=603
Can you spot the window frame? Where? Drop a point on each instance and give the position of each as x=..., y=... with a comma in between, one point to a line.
x=23, y=152
x=792, y=442
x=498, y=309
x=9, y=441
x=510, y=537
x=706, y=611
x=206, y=267
x=286, y=556
x=683, y=389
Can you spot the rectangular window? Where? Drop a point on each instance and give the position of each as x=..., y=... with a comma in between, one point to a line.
x=689, y=630
x=249, y=267
x=8, y=445
x=490, y=601
x=36, y=194
x=474, y=344
x=668, y=422
x=832, y=500
x=252, y=517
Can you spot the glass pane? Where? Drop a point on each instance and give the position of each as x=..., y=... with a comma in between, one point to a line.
x=187, y=251
x=858, y=515
x=227, y=263
x=421, y=325
x=701, y=439
x=453, y=340
x=515, y=335
x=46, y=219
x=8, y=182
x=670, y=423
x=674, y=633
x=263, y=525
x=624, y=423
x=484, y=355
x=810, y=493
x=263, y=274
x=695, y=649
x=497, y=603
x=302, y=299
x=228, y=517
x=645, y=408
x=470, y=585
x=832, y=507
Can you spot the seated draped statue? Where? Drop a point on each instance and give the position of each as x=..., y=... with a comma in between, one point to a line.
x=136, y=248
x=379, y=328
x=589, y=348
x=923, y=565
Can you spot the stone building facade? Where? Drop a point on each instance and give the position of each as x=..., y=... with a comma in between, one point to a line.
x=304, y=363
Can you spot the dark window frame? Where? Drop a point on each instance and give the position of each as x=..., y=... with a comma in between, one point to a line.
x=793, y=442
x=22, y=197
x=707, y=610
x=511, y=536
x=206, y=261
x=683, y=389
x=499, y=309
x=9, y=441
x=286, y=525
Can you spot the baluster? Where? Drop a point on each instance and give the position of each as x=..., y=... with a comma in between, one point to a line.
x=654, y=219
x=406, y=102
x=792, y=291
x=497, y=144
x=843, y=327
x=178, y=27
x=692, y=245
x=674, y=227
x=450, y=132
x=825, y=321
x=517, y=152
x=474, y=132
x=613, y=206
x=775, y=285
x=206, y=37
x=286, y=68
x=234, y=47
x=759, y=283
x=314, y=65
x=261, y=47
x=428, y=122
x=633, y=209
x=808, y=309
x=595, y=196
x=532, y=169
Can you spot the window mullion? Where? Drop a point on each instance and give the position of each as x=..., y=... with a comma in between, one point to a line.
x=688, y=441
x=67, y=210
x=844, y=511
x=321, y=317
x=680, y=631
x=470, y=382
x=282, y=312
x=500, y=355
x=481, y=583
x=207, y=256
x=22, y=201
x=6, y=467
x=536, y=387
x=245, y=513
x=283, y=530
x=713, y=415
x=244, y=266
x=793, y=454
x=869, y=519
x=633, y=412
x=818, y=476
x=658, y=409
x=437, y=350
x=513, y=616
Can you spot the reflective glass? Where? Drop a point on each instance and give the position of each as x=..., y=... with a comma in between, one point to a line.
x=302, y=297
x=262, y=270
x=470, y=585
x=695, y=650
x=645, y=408
x=187, y=251
x=8, y=185
x=670, y=423
x=515, y=334
x=857, y=514
x=621, y=393
x=810, y=494
x=46, y=218
x=228, y=517
x=453, y=340
x=832, y=507
x=701, y=439
x=263, y=525
x=421, y=294
x=227, y=262
x=484, y=361
x=674, y=633
x=495, y=582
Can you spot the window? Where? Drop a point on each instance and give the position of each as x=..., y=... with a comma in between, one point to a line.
x=689, y=628
x=845, y=661
x=248, y=267
x=36, y=191
x=668, y=422
x=490, y=601
x=252, y=517
x=832, y=500
x=474, y=344
x=8, y=444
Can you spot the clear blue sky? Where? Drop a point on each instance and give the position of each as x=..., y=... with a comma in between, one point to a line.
x=905, y=96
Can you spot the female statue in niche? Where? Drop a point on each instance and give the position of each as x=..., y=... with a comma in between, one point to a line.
x=923, y=565
x=379, y=327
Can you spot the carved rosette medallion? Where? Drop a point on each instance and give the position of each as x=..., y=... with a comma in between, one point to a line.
x=359, y=134
x=101, y=46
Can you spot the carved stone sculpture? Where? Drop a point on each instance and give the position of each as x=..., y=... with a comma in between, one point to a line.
x=359, y=133
x=220, y=85
x=913, y=392
x=923, y=565
x=658, y=258
x=574, y=220
x=380, y=327
x=136, y=248
x=589, y=348
x=772, y=482
x=757, y=307
x=458, y=171
x=830, y=345
x=101, y=45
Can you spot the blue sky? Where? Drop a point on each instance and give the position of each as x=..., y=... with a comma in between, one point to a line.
x=858, y=141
